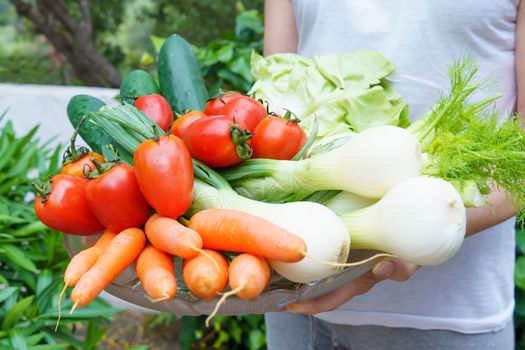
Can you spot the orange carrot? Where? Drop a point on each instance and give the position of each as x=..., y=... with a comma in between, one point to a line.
x=203, y=277
x=84, y=260
x=249, y=276
x=119, y=254
x=81, y=263
x=237, y=231
x=156, y=272
x=172, y=237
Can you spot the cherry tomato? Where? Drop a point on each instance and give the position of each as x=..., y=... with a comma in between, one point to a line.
x=184, y=121
x=165, y=174
x=115, y=199
x=214, y=105
x=156, y=108
x=245, y=110
x=62, y=206
x=84, y=163
x=218, y=141
x=277, y=138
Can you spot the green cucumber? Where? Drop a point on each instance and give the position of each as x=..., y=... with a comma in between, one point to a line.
x=96, y=138
x=137, y=83
x=180, y=76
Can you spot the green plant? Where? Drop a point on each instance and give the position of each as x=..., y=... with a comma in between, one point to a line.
x=232, y=333
x=33, y=258
x=226, y=62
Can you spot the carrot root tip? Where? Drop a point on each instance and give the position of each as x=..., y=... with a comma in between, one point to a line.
x=165, y=297
x=221, y=301
x=136, y=285
x=73, y=308
x=59, y=308
x=357, y=263
x=209, y=257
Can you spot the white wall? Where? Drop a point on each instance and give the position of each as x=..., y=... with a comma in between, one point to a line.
x=29, y=105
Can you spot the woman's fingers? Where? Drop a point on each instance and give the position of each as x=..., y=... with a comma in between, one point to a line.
x=391, y=268
x=333, y=300
x=394, y=269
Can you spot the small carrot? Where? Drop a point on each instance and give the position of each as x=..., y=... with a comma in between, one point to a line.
x=237, y=231
x=119, y=254
x=156, y=272
x=249, y=276
x=84, y=260
x=172, y=237
x=81, y=263
x=204, y=278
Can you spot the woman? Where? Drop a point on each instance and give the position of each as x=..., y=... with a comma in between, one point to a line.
x=466, y=303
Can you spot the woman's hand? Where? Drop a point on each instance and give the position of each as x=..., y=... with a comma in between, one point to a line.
x=390, y=268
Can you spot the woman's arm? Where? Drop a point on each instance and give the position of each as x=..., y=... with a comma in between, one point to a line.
x=501, y=209
x=280, y=31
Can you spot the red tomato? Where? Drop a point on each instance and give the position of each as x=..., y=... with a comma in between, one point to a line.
x=64, y=207
x=245, y=110
x=77, y=167
x=115, y=199
x=184, y=121
x=164, y=172
x=277, y=138
x=218, y=141
x=156, y=108
x=214, y=105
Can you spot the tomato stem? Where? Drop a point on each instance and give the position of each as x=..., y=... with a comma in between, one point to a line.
x=219, y=95
x=42, y=190
x=98, y=165
x=176, y=116
x=156, y=134
x=102, y=167
x=291, y=117
x=73, y=153
x=240, y=138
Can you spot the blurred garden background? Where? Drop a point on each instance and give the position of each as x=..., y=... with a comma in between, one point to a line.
x=96, y=43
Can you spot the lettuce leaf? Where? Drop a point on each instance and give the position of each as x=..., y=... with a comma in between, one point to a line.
x=345, y=92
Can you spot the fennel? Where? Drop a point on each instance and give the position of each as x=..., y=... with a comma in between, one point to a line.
x=462, y=142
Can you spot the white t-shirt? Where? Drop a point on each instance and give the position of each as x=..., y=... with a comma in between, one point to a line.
x=474, y=291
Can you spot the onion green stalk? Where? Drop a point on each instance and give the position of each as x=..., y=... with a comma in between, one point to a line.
x=311, y=221
x=421, y=220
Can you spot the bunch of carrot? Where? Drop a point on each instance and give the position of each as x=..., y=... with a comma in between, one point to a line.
x=206, y=271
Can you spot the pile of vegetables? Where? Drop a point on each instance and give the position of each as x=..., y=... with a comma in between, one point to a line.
x=289, y=197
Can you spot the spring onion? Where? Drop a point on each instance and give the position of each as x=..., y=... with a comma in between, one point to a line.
x=421, y=220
